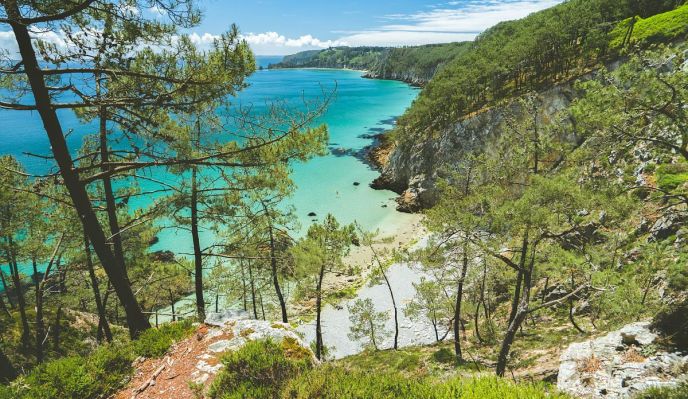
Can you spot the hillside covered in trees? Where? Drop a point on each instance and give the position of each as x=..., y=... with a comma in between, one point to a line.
x=549, y=160
x=413, y=65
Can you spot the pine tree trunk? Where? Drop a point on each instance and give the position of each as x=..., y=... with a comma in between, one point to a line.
x=394, y=305
x=318, y=308
x=110, y=203
x=40, y=326
x=102, y=320
x=253, y=290
x=243, y=286
x=198, y=256
x=517, y=296
x=19, y=292
x=457, y=307
x=5, y=288
x=136, y=321
x=3, y=307
x=476, y=322
x=57, y=329
x=275, y=279
x=508, y=340
x=571, y=317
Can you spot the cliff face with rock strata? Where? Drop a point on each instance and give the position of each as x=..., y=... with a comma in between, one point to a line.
x=411, y=167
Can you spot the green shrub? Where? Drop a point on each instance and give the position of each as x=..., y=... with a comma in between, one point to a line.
x=492, y=388
x=444, y=355
x=260, y=369
x=98, y=375
x=671, y=176
x=329, y=382
x=673, y=324
x=155, y=342
x=332, y=382
x=680, y=392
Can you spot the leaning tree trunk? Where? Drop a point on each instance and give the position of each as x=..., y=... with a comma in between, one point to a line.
x=136, y=320
x=40, y=325
x=18, y=290
x=521, y=313
x=57, y=329
x=198, y=256
x=508, y=340
x=394, y=302
x=253, y=290
x=457, y=308
x=318, y=307
x=3, y=307
x=6, y=288
x=110, y=205
x=102, y=320
x=275, y=279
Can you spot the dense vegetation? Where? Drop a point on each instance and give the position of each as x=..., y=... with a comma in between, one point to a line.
x=514, y=57
x=266, y=370
x=416, y=65
x=565, y=226
x=97, y=374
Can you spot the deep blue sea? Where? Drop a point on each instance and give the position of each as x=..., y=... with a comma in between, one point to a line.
x=324, y=184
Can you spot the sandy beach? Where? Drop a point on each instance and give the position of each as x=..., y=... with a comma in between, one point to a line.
x=402, y=231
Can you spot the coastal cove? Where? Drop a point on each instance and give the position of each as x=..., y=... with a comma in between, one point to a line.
x=337, y=183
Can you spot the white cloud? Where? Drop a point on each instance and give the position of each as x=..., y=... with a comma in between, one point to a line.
x=273, y=43
x=156, y=10
x=9, y=44
x=449, y=22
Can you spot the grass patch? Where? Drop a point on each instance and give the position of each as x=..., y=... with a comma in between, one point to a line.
x=101, y=373
x=672, y=176
x=444, y=355
x=405, y=361
x=660, y=28
x=155, y=342
x=98, y=375
x=259, y=369
x=337, y=383
x=680, y=392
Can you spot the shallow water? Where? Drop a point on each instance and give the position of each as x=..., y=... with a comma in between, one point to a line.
x=336, y=324
x=324, y=185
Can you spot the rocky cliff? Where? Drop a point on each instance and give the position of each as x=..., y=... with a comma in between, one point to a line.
x=410, y=77
x=620, y=364
x=413, y=166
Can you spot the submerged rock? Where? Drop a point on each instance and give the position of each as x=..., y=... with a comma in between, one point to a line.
x=163, y=256
x=619, y=364
x=312, y=214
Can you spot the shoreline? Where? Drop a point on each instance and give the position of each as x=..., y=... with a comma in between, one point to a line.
x=401, y=233
x=365, y=74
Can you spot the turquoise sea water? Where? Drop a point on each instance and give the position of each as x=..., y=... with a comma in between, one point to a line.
x=324, y=185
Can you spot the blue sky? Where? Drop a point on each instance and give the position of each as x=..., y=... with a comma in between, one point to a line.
x=275, y=27
x=278, y=27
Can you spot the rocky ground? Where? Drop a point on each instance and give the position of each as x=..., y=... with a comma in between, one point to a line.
x=620, y=364
x=196, y=360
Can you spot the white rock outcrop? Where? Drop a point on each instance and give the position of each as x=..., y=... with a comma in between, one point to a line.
x=230, y=331
x=619, y=364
